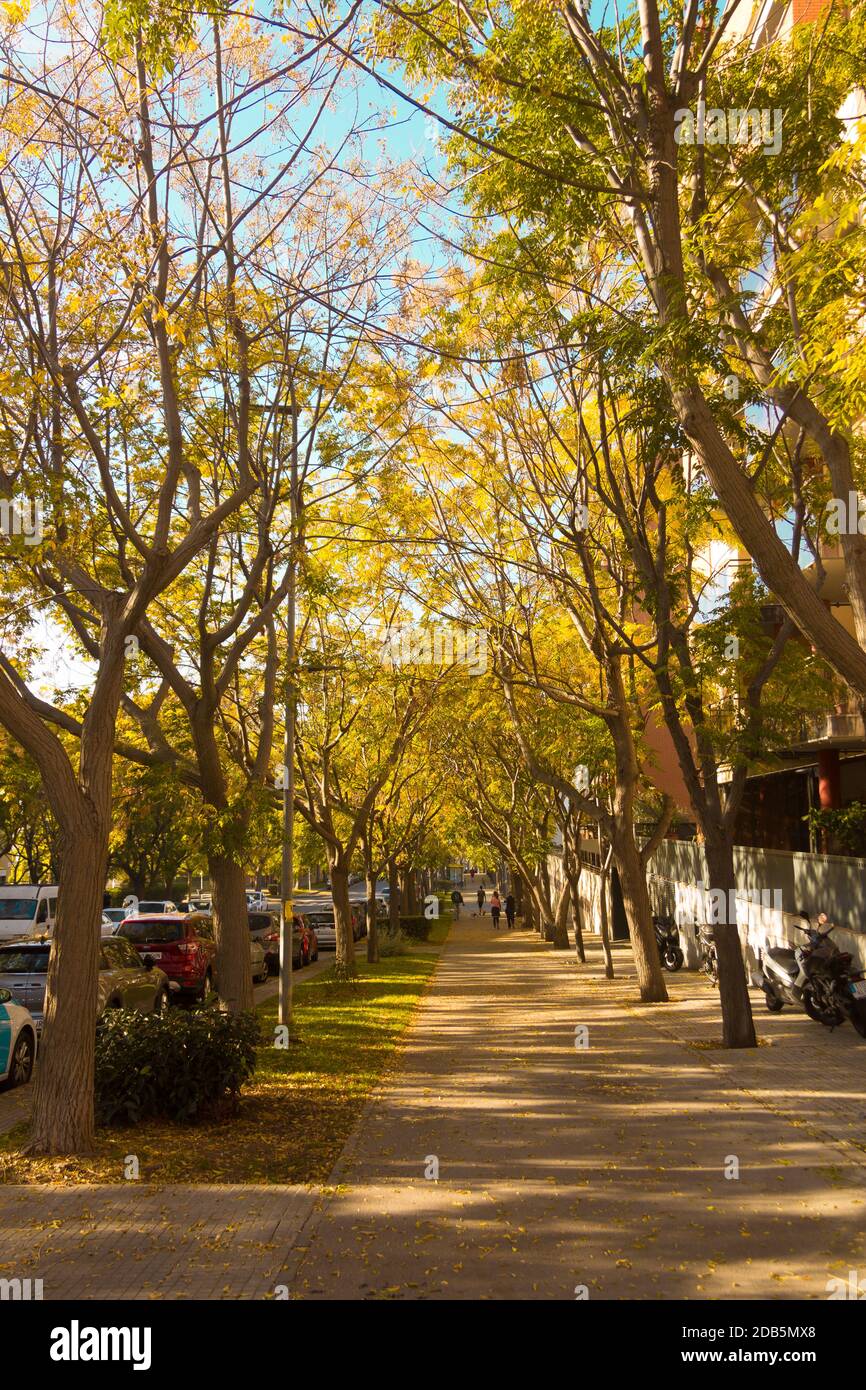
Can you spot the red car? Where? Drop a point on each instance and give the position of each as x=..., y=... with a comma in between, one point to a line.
x=181, y=943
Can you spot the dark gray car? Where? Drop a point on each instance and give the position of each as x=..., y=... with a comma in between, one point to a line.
x=125, y=981
x=265, y=928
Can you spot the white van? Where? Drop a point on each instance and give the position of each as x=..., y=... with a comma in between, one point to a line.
x=27, y=909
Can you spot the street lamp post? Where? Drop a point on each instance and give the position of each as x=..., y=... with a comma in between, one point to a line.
x=287, y=874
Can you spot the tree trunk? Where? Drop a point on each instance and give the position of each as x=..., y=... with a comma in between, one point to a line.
x=517, y=890
x=573, y=869
x=605, y=925
x=231, y=927
x=403, y=879
x=635, y=896
x=345, y=953
x=560, y=921
x=372, y=920
x=738, y=1028
x=393, y=897
x=411, y=877
x=63, y=1118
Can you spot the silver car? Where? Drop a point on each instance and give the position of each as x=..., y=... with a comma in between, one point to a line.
x=124, y=982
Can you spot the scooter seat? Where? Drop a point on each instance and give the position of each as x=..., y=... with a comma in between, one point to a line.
x=785, y=957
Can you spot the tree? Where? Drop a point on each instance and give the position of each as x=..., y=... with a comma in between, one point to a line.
x=155, y=822
x=595, y=155
x=356, y=723
x=28, y=830
x=124, y=359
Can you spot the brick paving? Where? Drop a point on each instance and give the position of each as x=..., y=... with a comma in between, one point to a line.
x=600, y=1168
x=148, y=1242
x=561, y=1167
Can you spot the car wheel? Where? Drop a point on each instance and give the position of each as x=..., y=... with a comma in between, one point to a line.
x=161, y=1003
x=206, y=986
x=23, y=1057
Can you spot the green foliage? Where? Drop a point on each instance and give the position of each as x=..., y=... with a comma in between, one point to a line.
x=184, y=1066
x=159, y=29
x=392, y=943
x=846, y=825
x=155, y=826
x=28, y=830
x=416, y=928
x=241, y=828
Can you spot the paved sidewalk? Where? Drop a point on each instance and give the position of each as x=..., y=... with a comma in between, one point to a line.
x=560, y=1167
x=604, y=1167
x=146, y=1242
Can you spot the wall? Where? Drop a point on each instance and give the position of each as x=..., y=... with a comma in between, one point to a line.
x=788, y=882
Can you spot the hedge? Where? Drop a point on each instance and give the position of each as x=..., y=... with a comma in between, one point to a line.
x=185, y=1065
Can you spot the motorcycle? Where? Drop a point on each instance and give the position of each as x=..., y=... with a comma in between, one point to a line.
x=816, y=977
x=709, y=955
x=668, y=942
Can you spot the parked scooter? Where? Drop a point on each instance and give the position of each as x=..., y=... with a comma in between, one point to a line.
x=816, y=977
x=668, y=942
x=709, y=955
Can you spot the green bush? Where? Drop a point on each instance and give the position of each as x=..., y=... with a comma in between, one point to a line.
x=392, y=943
x=416, y=928
x=185, y=1066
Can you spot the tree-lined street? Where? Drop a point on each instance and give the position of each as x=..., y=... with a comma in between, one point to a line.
x=431, y=457
x=603, y=1159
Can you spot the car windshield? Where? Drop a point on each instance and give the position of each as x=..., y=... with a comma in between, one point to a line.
x=321, y=919
x=154, y=930
x=17, y=909
x=260, y=920
x=23, y=960
x=151, y=907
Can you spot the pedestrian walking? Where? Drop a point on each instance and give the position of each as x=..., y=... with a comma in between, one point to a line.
x=456, y=903
x=495, y=907
x=481, y=895
x=510, y=907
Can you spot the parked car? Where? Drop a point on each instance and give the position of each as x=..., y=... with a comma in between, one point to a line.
x=182, y=944
x=322, y=921
x=115, y=914
x=27, y=909
x=265, y=928
x=124, y=980
x=258, y=961
x=17, y=1041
